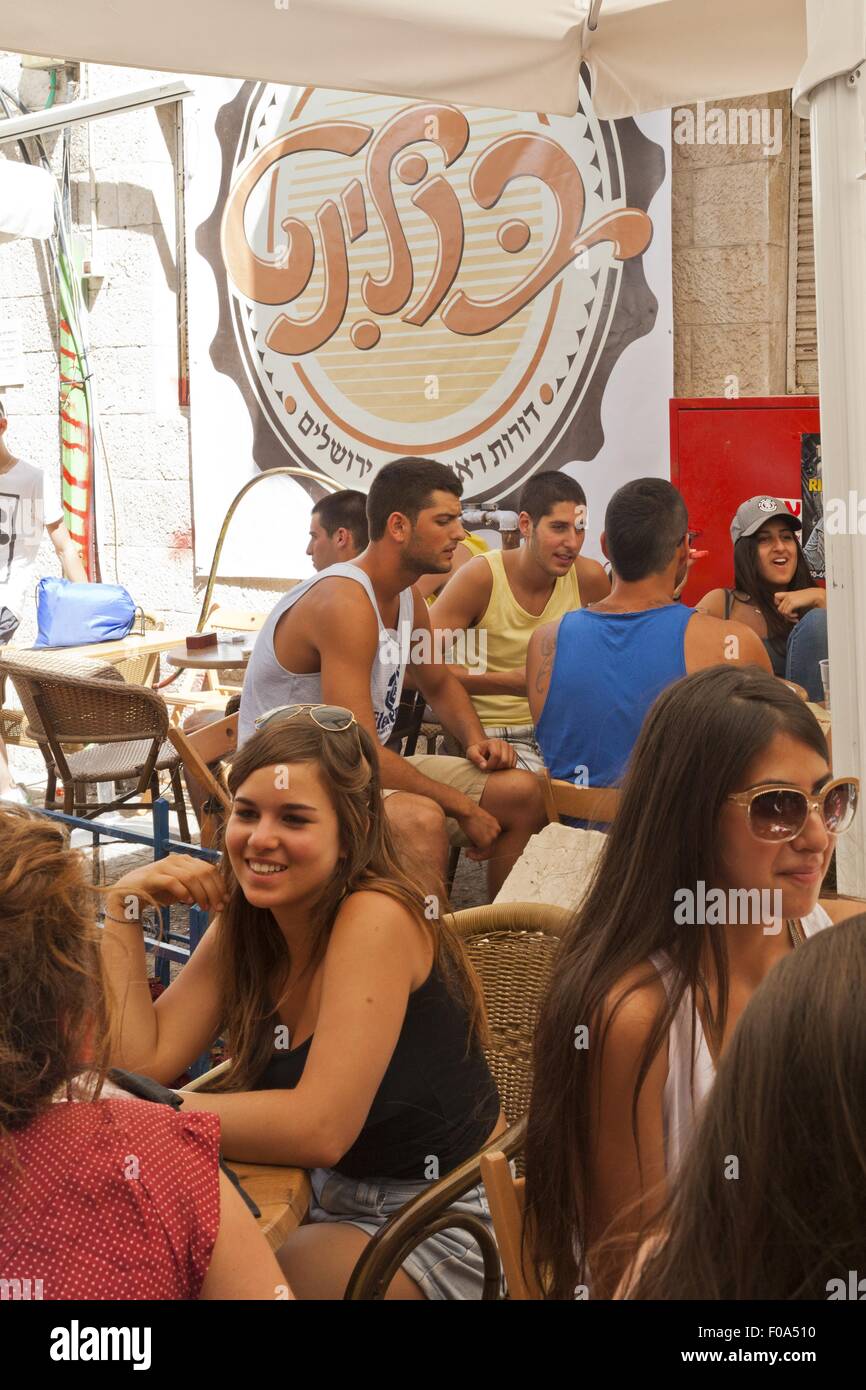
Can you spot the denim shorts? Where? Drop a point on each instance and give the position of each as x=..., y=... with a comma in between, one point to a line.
x=446, y=1265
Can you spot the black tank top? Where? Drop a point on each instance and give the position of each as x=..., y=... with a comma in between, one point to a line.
x=436, y=1101
x=775, y=647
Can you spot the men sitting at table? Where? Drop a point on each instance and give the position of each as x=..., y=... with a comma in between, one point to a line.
x=102, y=1196
x=346, y=636
x=506, y=595
x=338, y=529
x=352, y=1018
x=429, y=585
x=592, y=676
x=774, y=593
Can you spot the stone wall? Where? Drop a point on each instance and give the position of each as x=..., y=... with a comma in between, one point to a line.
x=730, y=240
x=124, y=206
x=730, y=260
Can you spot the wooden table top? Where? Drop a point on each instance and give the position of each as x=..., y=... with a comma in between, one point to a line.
x=128, y=646
x=225, y=655
x=282, y=1195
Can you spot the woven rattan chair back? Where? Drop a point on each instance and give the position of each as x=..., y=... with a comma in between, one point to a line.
x=26, y=669
x=512, y=947
x=91, y=708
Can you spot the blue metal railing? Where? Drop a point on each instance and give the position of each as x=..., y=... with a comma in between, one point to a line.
x=168, y=946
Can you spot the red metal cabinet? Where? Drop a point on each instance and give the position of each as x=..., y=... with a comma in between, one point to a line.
x=725, y=451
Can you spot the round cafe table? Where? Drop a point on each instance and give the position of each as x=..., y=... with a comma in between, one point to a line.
x=224, y=656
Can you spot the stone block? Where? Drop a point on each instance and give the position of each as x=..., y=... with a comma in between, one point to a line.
x=741, y=350
x=35, y=316
x=745, y=148
x=126, y=378
x=141, y=446
x=731, y=205
x=556, y=867
x=159, y=578
x=721, y=285
x=153, y=513
x=683, y=362
x=40, y=393
x=682, y=198
x=33, y=437
x=122, y=313
x=136, y=138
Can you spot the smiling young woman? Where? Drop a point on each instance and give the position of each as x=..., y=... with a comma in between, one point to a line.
x=726, y=789
x=353, y=1021
x=774, y=591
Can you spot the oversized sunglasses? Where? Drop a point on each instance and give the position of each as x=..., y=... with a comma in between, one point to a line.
x=333, y=718
x=780, y=813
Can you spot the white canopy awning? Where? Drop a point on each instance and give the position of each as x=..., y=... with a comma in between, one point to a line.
x=521, y=55
x=26, y=200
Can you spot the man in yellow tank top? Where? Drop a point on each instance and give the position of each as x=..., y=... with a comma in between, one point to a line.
x=501, y=597
x=429, y=585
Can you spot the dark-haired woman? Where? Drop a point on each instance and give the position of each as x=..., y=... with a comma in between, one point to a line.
x=350, y=1014
x=102, y=1196
x=789, y=1104
x=774, y=593
x=710, y=876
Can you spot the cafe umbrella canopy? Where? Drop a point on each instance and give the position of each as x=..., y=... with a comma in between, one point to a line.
x=525, y=55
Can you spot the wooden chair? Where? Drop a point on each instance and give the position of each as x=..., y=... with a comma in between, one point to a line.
x=595, y=804
x=512, y=946
x=202, y=753
x=239, y=619
x=505, y=1195
x=92, y=727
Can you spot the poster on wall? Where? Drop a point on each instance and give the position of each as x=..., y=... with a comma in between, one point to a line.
x=371, y=277
x=812, y=534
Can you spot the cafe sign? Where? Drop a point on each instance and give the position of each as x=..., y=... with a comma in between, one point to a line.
x=404, y=277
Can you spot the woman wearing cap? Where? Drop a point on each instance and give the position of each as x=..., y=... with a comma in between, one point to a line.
x=774, y=593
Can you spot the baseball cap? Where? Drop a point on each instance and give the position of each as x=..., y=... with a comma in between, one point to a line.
x=755, y=513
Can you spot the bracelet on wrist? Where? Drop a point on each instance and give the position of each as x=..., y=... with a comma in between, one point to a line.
x=122, y=921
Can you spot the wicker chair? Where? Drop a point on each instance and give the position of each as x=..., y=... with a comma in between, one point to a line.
x=512, y=946
x=118, y=731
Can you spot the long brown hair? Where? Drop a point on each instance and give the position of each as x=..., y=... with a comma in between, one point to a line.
x=749, y=581
x=254, y=959
x=54, y=1022
x=789, y=1108
x=695, y=746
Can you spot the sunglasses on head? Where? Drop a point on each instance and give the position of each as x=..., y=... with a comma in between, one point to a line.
x=333, y=718
x=780, y=813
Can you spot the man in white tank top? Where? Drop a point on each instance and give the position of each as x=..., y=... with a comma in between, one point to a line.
x=345, y=637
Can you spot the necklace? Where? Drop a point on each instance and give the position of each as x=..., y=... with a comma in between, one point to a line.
x=795, y=931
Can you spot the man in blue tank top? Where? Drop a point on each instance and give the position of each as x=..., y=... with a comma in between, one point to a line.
x=592, y=676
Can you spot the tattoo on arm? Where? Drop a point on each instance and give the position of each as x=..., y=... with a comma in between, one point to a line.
x=548, y=650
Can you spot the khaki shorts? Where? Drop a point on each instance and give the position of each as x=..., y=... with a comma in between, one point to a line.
x=459, y=773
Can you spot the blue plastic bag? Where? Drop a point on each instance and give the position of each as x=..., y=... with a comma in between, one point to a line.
x=73, y=615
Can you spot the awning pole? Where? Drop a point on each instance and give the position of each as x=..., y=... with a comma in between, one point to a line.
x=592, y=18
x=838, y=120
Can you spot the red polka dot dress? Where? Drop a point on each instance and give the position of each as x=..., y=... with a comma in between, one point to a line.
x=111, y=1199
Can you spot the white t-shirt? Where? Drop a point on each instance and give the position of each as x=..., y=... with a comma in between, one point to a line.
x=29, y=501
